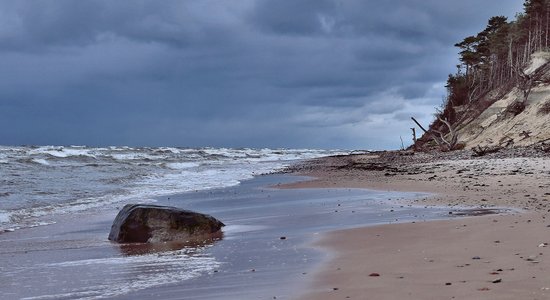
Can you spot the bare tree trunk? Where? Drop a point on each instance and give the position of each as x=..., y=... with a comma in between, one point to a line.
x=510, y=57
x=546, y=32
x=528, y=50
x=453, y=137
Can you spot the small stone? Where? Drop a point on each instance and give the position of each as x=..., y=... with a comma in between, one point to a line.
x=476, y=257
x=531, y=258
x=334, y=289
x=448, y=283
x=498, y=280
x=374, y=275
x=283, y=238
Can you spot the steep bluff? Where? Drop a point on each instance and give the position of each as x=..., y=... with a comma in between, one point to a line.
x=494, y=120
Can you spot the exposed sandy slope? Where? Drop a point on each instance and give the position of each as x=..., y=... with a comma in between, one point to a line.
x=434, y=260
x=495, y=126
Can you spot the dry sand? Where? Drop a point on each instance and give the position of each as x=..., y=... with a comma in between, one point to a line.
x=489, y=257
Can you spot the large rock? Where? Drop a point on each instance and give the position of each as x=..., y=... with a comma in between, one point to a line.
x=142, y=223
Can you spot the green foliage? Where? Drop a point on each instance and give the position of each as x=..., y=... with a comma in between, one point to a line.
x=495, y=56
x=491, y=63
x=457, y=88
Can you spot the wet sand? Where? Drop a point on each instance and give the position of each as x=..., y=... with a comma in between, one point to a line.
x=487, y=257
x=265, y=251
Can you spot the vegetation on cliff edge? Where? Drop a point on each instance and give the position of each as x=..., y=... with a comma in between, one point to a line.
x=492, y=62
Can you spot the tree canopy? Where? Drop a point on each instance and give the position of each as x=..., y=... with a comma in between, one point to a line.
x=494, y=57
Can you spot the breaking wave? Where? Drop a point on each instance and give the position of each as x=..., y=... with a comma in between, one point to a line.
x=39, y=182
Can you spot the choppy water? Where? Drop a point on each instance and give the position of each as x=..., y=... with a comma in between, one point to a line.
x=43, y=181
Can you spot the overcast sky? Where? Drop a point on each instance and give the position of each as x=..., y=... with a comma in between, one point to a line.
x=344, y=74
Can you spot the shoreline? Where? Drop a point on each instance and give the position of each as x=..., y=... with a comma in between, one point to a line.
x=265, y=246
x=435, y=259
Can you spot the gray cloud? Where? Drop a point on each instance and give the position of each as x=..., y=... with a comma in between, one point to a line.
x=309, y=73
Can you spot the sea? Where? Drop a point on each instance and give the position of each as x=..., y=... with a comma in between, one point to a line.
x=53, y=180
x=57, y=204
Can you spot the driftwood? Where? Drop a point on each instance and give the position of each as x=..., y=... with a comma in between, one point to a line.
x=506, y=142
x=414, y=137
x=515, y=108
x=525, y=83
x=543, y=147
x=481, y=151
x=525, y=134
x=452, y=135
x=440, y=140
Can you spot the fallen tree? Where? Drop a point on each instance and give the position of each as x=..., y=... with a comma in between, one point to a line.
x=440, y=139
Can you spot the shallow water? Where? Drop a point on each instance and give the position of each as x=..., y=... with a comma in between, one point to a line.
x=72, y=258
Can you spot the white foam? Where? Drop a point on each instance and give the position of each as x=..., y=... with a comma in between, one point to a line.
x=172, y=171
x=170, y=149
x=162, y=268
x=132, y=156
x=182, y=165
x=4, y=216
x=40, y=161
x=236, y=228
x=62, y=152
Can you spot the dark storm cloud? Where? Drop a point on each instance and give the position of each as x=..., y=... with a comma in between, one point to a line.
x=308, y=73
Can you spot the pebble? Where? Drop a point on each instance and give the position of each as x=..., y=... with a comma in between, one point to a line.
x=476, y=257
x=374, y=274
x=498, y=280
x=531, y=258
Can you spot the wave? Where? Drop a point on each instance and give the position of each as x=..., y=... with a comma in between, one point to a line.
x=40, y=161
x=79, y=178
x=182, y=165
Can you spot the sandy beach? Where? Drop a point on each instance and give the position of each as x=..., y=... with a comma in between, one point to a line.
x=291, y=237
x=499, y=256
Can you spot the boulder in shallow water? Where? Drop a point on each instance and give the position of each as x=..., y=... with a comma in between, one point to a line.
x=143, y=223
